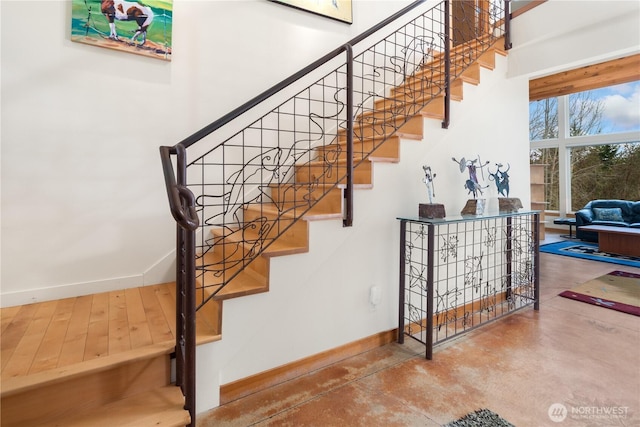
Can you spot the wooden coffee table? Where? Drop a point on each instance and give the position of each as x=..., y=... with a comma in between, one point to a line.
x=617, y=240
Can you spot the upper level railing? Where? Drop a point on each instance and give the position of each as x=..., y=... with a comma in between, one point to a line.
x=308, y=135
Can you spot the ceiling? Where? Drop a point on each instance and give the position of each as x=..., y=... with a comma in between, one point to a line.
x=617, y=71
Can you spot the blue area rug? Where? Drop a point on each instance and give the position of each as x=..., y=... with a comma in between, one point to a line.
x=589, y=251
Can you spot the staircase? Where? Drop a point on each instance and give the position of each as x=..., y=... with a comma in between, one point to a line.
x=244, y=220
x=279, y=228
x=250, y=197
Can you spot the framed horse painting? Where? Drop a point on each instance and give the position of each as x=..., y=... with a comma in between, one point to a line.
x=340, y=10
x=143, y=28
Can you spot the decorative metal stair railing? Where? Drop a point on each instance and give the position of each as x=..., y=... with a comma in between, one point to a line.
x=245, y=197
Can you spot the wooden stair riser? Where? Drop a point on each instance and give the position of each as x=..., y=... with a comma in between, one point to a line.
x=334, y=173
x=404, y=104
x=432, y=108
x=321, y=200
x=402, y=93
x=161, y=407
x=279, y=226
x=236, y=280
x=241, y=285
x=212, y=311
x=236, y=247
x=435, y=72
x=418, y=85
x=219, y=268
x=379, y=128
x=388, y=149
x=487, y=59
x=90, y=390
x=472, y=74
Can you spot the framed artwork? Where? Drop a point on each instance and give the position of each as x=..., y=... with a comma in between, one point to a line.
x=335, y=9
x=140, y=27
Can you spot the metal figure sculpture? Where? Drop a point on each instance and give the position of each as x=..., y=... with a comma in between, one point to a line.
x=428, y=180
x=501, y=179
x=472, y=184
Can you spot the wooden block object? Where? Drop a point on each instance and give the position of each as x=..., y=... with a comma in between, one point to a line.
x=431, y=210
x=474, y=207
x=509, y=204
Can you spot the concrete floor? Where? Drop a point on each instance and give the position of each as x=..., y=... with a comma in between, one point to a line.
x=584, y=357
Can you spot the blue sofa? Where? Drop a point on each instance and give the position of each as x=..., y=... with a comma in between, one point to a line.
x=619, y=213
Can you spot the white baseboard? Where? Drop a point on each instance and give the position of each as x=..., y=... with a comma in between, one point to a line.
x=67, y=291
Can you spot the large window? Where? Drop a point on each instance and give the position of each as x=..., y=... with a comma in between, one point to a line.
x=590, y=142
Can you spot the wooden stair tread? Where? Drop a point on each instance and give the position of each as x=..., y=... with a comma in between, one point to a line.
x=277, y=247
x=314, y=212
x=269, y=209
x=341, y=162
x=385, y=152
x=396, y=118
x=370, y=139
x=160, y=407
x=398, y=133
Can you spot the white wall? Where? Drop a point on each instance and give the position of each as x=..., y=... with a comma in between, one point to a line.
x=320, y=300
x=574, y=34
x=83, y=202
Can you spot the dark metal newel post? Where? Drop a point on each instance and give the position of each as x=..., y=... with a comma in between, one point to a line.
x=430, y=281
x=190, y=326
x=507, y=25
x=402, y=281
x=536, y=260
x=186, y=343
x=447, y=66
x=180, y=285
x=509, y=256
x=348, y=193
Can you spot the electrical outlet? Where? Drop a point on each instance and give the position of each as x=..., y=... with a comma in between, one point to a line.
x=375, y=295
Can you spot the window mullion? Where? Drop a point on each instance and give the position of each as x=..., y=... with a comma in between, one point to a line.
x=564, y=157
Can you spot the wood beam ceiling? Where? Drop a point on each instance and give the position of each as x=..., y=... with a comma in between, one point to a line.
x=617, y=71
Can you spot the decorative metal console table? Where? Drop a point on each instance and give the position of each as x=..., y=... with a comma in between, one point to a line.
x=458, y=273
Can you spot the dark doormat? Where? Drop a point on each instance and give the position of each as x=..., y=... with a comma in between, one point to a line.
x=481, y=418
